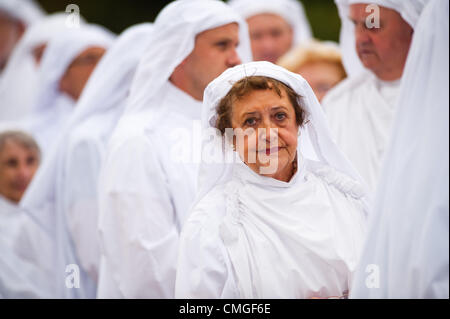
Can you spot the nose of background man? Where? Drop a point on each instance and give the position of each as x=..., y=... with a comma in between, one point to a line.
x=362, y=36
x=233, y=59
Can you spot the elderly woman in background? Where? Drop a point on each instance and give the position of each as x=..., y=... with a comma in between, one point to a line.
x=19, y=160
x=319, y=63
x=274, y=222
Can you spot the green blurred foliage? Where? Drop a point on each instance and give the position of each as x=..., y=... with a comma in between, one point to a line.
x=118, y=15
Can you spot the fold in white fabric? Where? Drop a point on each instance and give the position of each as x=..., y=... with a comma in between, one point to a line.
x=17, y=276
x=360, y=112
x=406, y=252
x=251, y=236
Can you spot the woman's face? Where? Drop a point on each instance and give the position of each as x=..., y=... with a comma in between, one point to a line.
x=265, y=133
x=321, y=76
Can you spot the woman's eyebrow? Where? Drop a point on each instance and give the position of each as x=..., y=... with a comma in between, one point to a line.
x=249, y=113
x=279, y=107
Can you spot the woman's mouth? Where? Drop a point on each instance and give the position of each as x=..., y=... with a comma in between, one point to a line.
x=271, y=150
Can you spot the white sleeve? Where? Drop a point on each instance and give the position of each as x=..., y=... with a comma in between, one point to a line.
x=137, y=225
x=203, y=269
x=81, y=201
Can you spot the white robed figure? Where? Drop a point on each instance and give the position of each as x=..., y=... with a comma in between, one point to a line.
x=17, y=95
x=41, y=241
x=15, y=17
x=407, y=248
x=275, y=27
x=360, y=110
x=146, y=186
x=67, y=183
x=66, y=65
x=294, y=233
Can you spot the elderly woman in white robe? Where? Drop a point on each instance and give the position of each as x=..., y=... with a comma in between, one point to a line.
x=275, y=27
x=270, y=220
x=19, y=159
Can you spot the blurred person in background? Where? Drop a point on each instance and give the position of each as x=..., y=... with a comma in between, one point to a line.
x=406, y=254
x=146, y=185
x=67, y=63
x=274, y=26
x=319, y=63
x=15, y=17
x=19, y=160
x=66, y=185
x=16, y=94
x=360, y=109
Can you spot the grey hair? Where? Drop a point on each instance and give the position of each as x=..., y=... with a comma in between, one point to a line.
x=23, y=139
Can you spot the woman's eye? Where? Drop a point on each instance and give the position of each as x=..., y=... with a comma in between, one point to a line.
x=280, y=116
x=250, y=122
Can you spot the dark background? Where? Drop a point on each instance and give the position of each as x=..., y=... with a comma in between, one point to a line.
x=117, y=15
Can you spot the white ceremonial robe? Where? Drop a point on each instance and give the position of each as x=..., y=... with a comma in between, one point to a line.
x=257, y=237
x=360, y=113
x=146, y=195
x=17, y=276
x=79, y=197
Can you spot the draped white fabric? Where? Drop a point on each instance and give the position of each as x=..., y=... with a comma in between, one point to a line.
x=51, y=108
x=360, y=112
x=290, y=10
x=145, y=191
x=17, y=95
x=406, y=254
x=27, y=11
x=409, y=10
x=312, y=226
x=17, y=276
x=83, y=151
